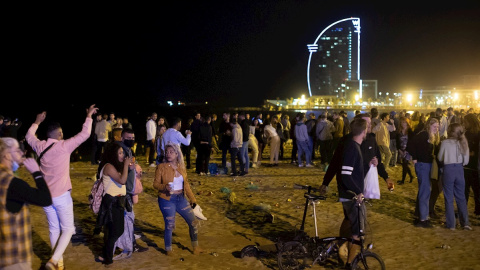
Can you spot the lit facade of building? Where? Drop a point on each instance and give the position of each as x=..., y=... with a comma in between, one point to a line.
x=334, y=60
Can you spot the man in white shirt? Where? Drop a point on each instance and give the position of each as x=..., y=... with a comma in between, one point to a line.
x=150, y=144
x=102, y=132
x=174, y=135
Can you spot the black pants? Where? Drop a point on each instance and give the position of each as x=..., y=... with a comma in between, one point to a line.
x=472, y=180
x=187, y=150
x=112, y=231
x=99, y=150
x=294, y=149
x=203, y=158
x=326, y=151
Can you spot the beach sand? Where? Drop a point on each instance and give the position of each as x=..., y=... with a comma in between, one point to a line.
x=233, y=225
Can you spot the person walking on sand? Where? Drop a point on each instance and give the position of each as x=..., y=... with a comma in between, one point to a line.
x=173, y=187
x=423, y=147
x=16, y=249
x=55, y=165
x=454, y=154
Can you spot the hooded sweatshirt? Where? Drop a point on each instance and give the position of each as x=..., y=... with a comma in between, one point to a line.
x=237, y=136
x=301, y=132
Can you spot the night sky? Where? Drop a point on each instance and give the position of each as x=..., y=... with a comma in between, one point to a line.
x=234, y=53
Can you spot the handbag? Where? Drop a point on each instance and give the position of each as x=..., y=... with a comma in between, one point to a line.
x=371, y=188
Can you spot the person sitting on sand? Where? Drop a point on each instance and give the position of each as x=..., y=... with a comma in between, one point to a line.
x=172, y=186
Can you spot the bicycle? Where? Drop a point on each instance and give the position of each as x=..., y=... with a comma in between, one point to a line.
x=296, y=254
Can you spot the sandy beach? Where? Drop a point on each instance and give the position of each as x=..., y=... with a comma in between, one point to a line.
x=239, y=219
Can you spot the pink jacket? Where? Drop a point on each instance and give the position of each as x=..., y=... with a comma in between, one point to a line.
x=55, y=164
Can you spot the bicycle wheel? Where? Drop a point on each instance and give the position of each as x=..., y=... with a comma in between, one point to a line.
x=368, y=260
x=292, y=256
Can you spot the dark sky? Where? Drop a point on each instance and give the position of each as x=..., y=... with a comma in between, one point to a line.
x=225, y=52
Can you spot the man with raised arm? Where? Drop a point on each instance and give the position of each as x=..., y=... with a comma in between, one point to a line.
x=55, y=166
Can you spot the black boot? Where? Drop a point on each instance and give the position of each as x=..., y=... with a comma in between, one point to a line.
x=401, y=182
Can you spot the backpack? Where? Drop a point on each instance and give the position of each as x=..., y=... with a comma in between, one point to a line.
x=96, y=194
x=213, y=168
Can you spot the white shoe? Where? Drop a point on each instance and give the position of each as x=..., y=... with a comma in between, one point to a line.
x=152, y=165
x=309, y=165
x=300, y=165
x=197, y=211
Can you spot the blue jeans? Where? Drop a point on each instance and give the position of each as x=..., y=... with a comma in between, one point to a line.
x=454, y=186
x=177, y=204
x=423, y=196
x=303, y=149
x=237, y=153
x=244, y=154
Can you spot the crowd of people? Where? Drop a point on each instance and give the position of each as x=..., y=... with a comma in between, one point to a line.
x=442, y=146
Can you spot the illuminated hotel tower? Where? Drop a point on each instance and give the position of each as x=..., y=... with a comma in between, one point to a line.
x=335, y=59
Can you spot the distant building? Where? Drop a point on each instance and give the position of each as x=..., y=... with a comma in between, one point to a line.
x=334, y=59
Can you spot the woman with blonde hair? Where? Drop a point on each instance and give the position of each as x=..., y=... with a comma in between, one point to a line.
x=172, y=186
x=454, y=154
x=423, y=148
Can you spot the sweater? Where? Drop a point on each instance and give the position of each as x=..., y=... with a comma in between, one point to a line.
x=450, y=153
x=352, y=171
x=301, y=133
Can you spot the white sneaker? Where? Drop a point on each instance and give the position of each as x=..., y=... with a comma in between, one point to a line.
x=197, y=211
x=300, y=165
x=467, y=228
x=153, y=165
x=309, y=165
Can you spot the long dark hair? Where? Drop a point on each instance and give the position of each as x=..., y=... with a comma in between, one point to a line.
x=111, y=156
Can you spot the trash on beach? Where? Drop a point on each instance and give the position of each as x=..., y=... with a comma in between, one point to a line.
x=225, y=190
x=444, y=246
x=262, y=206
x=214, y=254
x=232, y=197
x=269, y=218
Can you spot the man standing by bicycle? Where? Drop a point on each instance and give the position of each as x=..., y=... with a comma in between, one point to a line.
x=352, y=180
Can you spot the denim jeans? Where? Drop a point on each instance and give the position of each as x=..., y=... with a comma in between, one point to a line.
x=454, y=187
x=237, y=153
x=423, y=196
x=244, y=154
x=177, y=204
x=60, y=224
x=303, y=150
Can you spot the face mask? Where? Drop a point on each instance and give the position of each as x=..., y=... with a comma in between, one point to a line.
x=129, y=143
x=15, y=166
